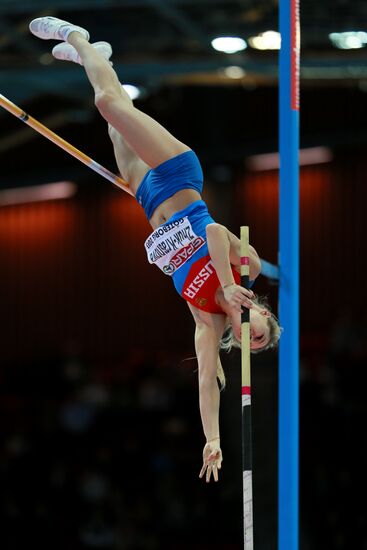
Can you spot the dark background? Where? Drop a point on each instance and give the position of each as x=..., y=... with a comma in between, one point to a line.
x=101, y=437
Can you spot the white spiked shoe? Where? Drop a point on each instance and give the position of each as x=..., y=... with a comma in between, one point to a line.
x=51, y=28
x=67, y=52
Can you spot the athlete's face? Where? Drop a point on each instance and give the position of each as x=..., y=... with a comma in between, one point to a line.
x=259, y=328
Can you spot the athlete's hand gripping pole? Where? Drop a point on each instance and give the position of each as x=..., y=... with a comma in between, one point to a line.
x=46, y=132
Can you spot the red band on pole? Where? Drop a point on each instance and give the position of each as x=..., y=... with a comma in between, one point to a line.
x=245, y=260
x=246, y=390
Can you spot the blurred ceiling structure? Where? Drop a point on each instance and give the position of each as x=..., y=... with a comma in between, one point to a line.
x=159, y=44
x=156, y=41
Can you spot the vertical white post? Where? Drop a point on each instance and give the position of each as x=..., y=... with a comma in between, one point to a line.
x=248, y=536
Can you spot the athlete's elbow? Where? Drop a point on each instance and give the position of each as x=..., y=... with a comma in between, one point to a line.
x=255, y=264
x=207, y=379
x=214, y=229
x=256, y=269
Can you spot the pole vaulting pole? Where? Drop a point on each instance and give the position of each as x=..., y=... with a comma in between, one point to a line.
x=289, y=276
x=73, y=151
x=248, y=538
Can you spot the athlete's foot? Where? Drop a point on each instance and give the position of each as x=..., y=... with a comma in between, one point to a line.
x=67, y=52
x=51, y=28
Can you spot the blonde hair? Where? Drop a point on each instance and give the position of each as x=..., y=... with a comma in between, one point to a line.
x=220, y=375
x=229, y=340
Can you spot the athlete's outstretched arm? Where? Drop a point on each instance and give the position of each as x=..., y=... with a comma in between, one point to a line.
x=208, y=332
x=206, y=346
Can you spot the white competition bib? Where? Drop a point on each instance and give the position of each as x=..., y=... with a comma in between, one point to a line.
x=170, y=246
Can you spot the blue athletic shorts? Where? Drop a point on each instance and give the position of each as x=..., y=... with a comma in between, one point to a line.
x=180, y=172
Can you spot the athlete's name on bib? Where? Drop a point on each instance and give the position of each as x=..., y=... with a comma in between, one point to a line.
x=161, y=231
x=172, y=245
x=199, y=280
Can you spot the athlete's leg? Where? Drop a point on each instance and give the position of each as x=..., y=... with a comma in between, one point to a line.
x=146, y=137
x=131, y=167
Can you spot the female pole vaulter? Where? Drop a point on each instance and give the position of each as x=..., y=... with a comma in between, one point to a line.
x=201, y=256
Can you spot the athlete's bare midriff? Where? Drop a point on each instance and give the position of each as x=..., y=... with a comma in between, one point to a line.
x=177, y=202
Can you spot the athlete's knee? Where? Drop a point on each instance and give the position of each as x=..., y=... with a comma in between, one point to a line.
x=102, y=98
x=107, y=100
